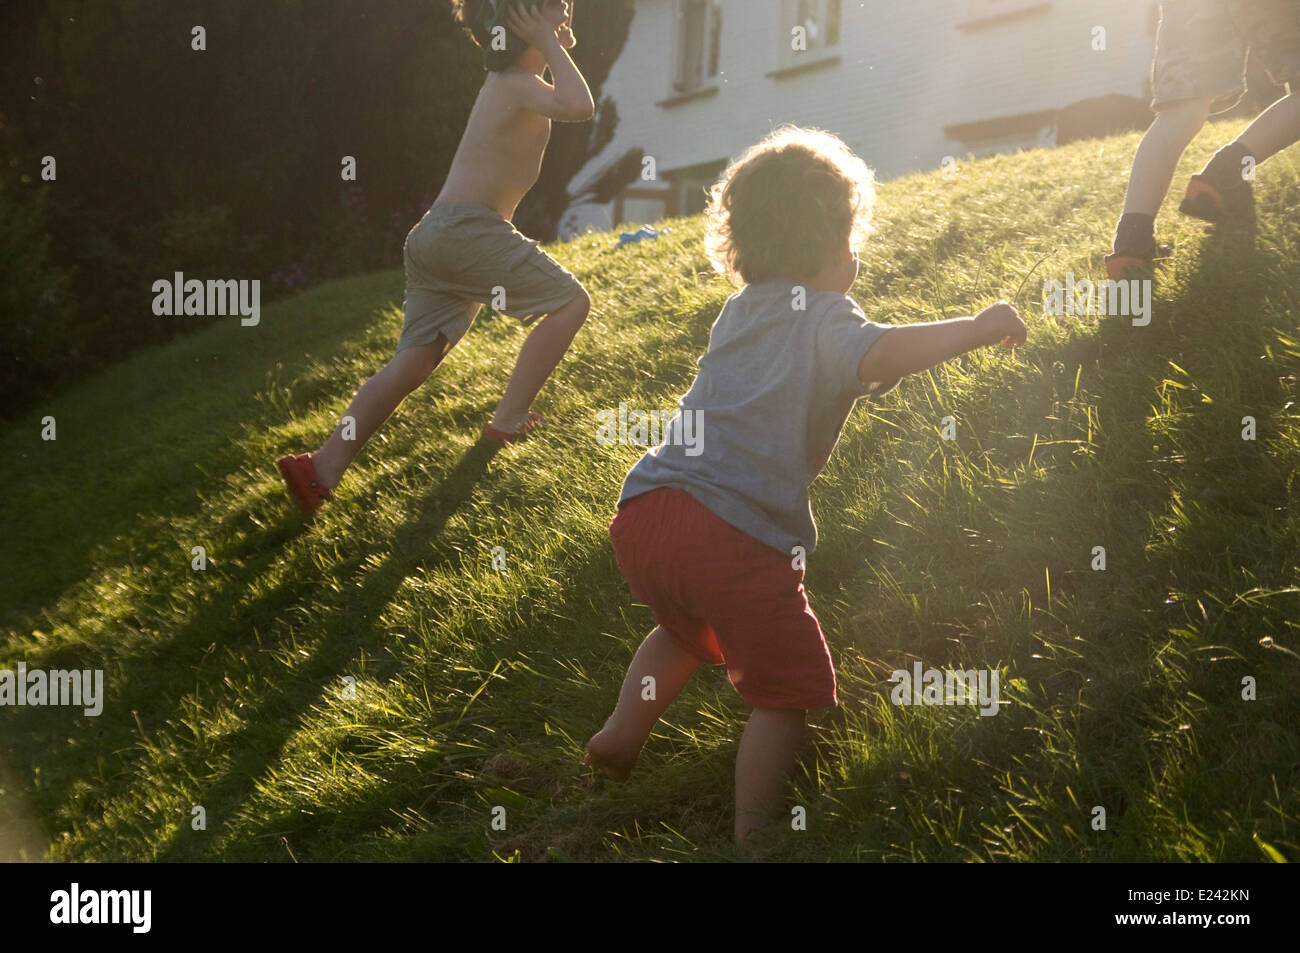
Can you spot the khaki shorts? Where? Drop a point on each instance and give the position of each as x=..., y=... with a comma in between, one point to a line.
x=460, y=257
x=1202, y=46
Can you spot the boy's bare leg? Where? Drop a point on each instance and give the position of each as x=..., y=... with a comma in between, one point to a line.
x=374, y=403
x=538, y=357
x=768, y=751
x=1175, y=126
x=614, y=749
x=1274, y=129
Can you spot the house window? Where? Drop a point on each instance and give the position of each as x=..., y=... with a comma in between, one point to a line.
x=692, y=186
x=699, y=27
x=817, y=23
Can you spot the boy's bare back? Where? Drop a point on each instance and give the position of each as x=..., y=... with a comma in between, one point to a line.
x=500, y=154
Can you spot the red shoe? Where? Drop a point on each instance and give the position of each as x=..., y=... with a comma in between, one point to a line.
x=504, y=437
x=300, y=475
x=1136, y=261
x=1211, y=203
x=1122, y=267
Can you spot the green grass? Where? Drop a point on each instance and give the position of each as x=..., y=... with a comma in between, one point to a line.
x=478, y=688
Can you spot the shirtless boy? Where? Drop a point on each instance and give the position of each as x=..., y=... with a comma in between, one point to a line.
x=465, y=252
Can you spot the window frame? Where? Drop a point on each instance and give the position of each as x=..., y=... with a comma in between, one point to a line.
x=709, y=56
x=821, y=49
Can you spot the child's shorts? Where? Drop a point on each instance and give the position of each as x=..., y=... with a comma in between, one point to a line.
x=725, y=598
x=459, y=257
x=1202, y=45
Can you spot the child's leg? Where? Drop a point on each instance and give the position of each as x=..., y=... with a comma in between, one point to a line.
x=1157, y=157
x=768, y=751
x=1221, y=193
x=614, y=749
x=538, y=357
x=1176, y=125
x=374, y=403
x=1273, y=130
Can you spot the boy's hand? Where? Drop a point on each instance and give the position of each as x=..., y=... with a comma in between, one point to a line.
x=1002, y=322
x=529, y=25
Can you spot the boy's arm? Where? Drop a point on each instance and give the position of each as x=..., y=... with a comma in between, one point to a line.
x=569, y=100
x=909, y=348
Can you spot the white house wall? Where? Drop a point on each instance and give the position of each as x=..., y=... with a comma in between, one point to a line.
x=907, y=71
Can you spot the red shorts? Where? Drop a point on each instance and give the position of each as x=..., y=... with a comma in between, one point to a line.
x=726, y=598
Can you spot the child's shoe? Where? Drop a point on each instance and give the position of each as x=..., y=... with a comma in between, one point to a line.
x=1135, y=261
x=300, y=476
x=1212, y=202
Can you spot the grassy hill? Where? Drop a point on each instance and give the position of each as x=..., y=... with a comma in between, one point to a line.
x=475, y=687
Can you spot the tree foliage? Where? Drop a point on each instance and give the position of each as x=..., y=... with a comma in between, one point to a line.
x=226, y=162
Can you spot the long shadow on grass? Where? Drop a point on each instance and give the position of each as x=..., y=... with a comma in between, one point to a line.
x=149, y=687
x=69, y=529
x=291, y=695
x=155, y=680
x=1226, y=567
x=502, y=738
x=1096, y=686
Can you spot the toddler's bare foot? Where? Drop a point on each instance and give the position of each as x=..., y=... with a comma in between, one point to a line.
x=606, y=755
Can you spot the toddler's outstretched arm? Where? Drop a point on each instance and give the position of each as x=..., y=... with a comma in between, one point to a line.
x=909, y=348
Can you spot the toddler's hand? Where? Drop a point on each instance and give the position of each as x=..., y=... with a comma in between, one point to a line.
x=1002, y=322
x=529, y=25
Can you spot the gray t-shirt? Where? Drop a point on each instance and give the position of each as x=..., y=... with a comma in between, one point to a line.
x=765, y=411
